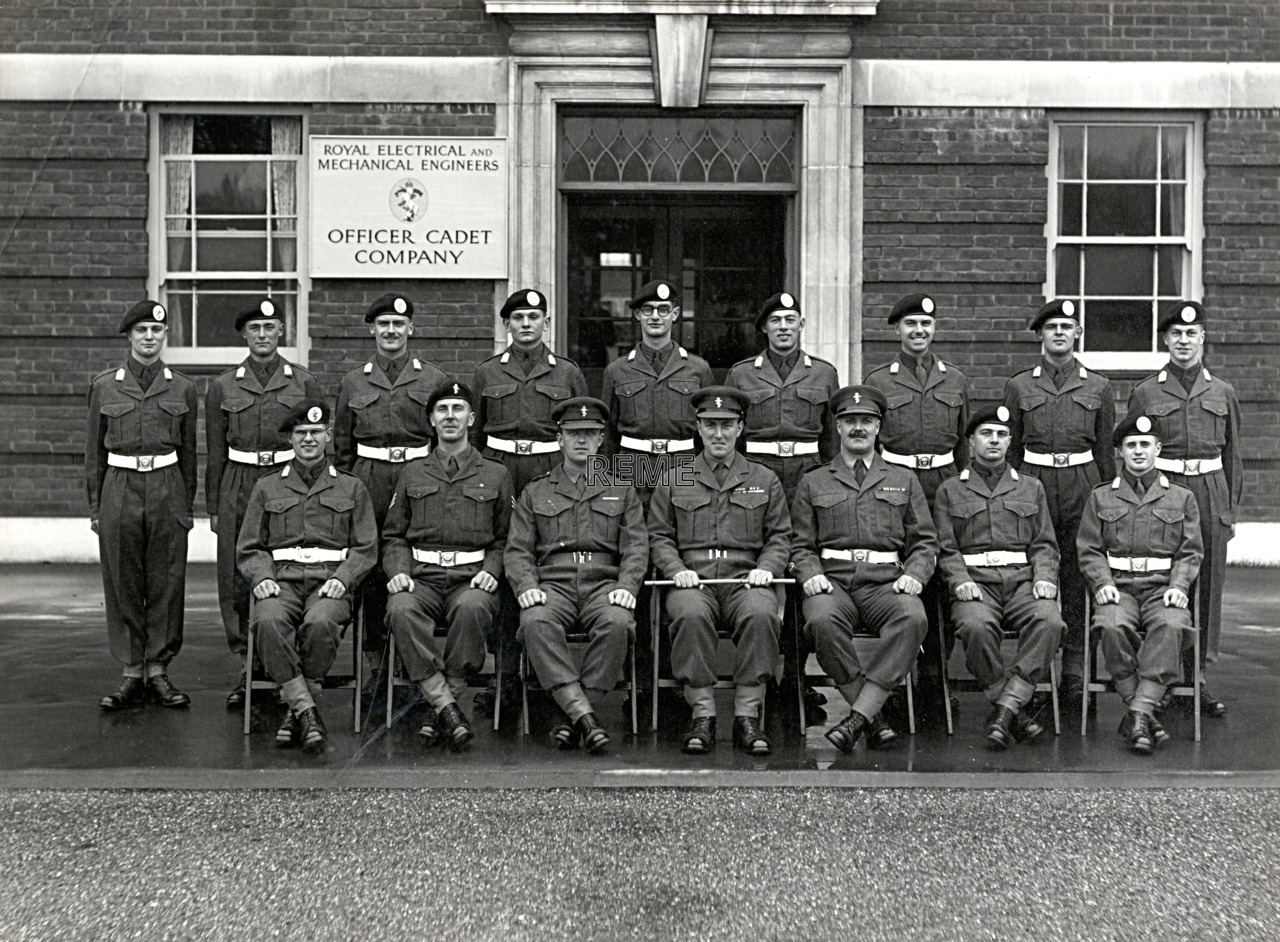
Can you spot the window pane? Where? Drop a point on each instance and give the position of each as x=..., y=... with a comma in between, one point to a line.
x=1118, y=325
x=179, y=305
x=1173, y=209
x=231, y=254
x=1121, y=210
x=1173, y=158
x=1122, y=153
x=1117, y=269
x=179, y=253
x=1070, y=201
x=1172, y=259
x=231, y=134
x=1067, y=278
x=226, y=188
x=284, y=254
x=1071, y=153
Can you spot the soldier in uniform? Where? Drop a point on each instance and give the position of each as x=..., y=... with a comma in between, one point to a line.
x=1140, y=549
x=923, y=430
x=576, y=555
x=864, y=547
x=140, y=473
x=243, y=411
x=382, y=422
x=727, y=520
x=1197, y=417
x=1062, y=416
x=519, y=388
x=1000, y=561
x=442, y=547
x=309, y=536
x=648, y=391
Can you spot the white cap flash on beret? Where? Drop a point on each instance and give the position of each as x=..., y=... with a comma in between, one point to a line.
x=532, y=298
x=400, y=306
x=1002, y=414
x=267, y=308
x=314, y=414
x=664, y=291
x=1142, y=424
x=787, y=300
x=158, y=312
x=1068, y=308
x=927, y=305
x=1188, y=314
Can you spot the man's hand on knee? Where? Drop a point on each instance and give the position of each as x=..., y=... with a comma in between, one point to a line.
x=1175, y=598
x=623, y=599
x=759, y=578
x=531, y=598
x=1107, y=595
x=908, y=585
x=400, y=582
x=266, y=589
x=817, y=585
x=333, y=589
x=686, y=579
x=1044, y=590
x=968, y=592
x=485, y=582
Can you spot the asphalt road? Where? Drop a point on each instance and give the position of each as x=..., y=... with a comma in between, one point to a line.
x=670, y=864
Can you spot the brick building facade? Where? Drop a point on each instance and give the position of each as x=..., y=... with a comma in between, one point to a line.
x=931, y=142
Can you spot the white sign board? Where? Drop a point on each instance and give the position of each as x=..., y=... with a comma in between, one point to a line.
x=408, y=207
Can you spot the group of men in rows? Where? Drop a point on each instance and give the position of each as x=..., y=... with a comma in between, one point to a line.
x=456, y=510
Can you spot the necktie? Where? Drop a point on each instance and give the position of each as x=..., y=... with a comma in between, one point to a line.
x=1059, y=378
x=1139, y=487
x=451, y=465
x=392, y=370
x=721, y=472
x=922, y=375
x=859, y=472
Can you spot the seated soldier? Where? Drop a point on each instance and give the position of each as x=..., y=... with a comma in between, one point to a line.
x=576, y=555
x=725, y=518
x=864, y=547
x=309, y=536
x=443, y=539
x=1000, y=563
x=1140, y=549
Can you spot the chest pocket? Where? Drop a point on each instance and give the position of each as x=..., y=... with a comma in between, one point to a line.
x=630, y=404
x=502, y=406
x=420, y=395
x=1028, y=403
x=888, y=515
x=477, y=511
x=363, y=401
x=748, y=499
x=334, y=523
x=627, y=390
x=421, y=507
x=811, y=402
x=748, y=521
x=174, y=407
x=289, y=399
x=832, y=513
x=1214, y=412
x=236, y=405
x=284, y=519
x=686, y=504
x=174, y=410
x=898, y=400
x=606, y=519
x=949, y=399
x=115, y=413
x=1164, y=406
x=761, y=394
x=551, y=391
x=1112, y=514
x=1023, y=508
x=968, y=510
x=279, y=505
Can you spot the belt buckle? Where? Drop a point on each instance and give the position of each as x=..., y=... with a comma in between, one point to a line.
x=785, y=449
x=1060, y=461
x=447, y=559
x=991, y=558
x=660, y=446
x=1192, y=467
x=524, y=448
x=397, y=454
x=146, y=463
x=581, y=557
x=304, y=554
x=1139, y=565
x=717, y=553
x=859, y=556
x=266, y=459
x=924, y=462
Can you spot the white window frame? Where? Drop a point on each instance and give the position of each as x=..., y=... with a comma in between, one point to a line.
x=1193, y=283
x=300, y=352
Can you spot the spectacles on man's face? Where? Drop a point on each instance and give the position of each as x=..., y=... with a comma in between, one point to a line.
x=663, y=310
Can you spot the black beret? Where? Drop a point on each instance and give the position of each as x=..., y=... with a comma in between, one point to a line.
x=720, y=402
x=152, y=312
x=260, y=309
x=782, y=301
x=858, y=400
x=307, y=412
x=657, y=290
x=1182, y=312
x=912, y=304
x=581, y=412
x=992, y=415
x=526, y=299
x=389, y=303
x=1135, y=423
x=452, y=391
x=1061, y=307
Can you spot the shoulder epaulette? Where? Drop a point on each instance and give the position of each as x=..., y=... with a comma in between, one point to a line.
x=1084, y=374
x=684, y=354
x=285, y=472
x=333, y=472
x=759, y=361
x=417, y=364
x=632, y=355
x=368, y=368
x=964, y=475
x=1115, y=485
x=239, y=372
x=287, y=366
x=1013, y=474
x=1164, y=482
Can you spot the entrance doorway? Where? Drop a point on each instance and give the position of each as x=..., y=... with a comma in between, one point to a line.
x=726, y=254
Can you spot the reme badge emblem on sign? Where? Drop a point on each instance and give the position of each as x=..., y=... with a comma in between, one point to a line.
x=408, y=200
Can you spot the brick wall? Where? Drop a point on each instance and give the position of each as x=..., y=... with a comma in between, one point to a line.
x=253, y=27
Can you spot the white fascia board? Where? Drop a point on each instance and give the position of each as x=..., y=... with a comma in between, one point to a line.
x=252, y=79
x=683, y=7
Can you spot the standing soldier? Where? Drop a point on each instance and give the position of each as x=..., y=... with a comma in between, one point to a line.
x=243, y=411
x=1000, y=562
x=923, y=430
x=1140, y=549
x=576, y=555
x=648, y=391
x=443, y=542
x=863, y=549
x=140, y=473
x=383, y=421
x=727, y=520
x=308, y=538
x=1062, y=417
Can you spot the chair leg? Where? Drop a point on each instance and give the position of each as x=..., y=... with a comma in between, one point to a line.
x=1088, y=668
x=635, y=693
x=357, y=624
x=1053, y=694
x=800, y=675
x=946, y=683
x=655, y=626
x=911, y=703
x=1197, y=676
x=497, y=682
x=524, y=693
x=248, y=670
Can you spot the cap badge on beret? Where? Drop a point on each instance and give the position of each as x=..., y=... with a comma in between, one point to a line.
x=926, y=305
x=158, y=312
x=664, y=291
x=532, y=298
x=787, y=300
x=1069, y=308
x=1188, y=314
x=455, y=389
x=584, y=412
x=267, y=308
x=314, y=414
x=857, y=397
x=719, y=402
x=1142, y=424
x=1002, y=414
x=400, y=306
